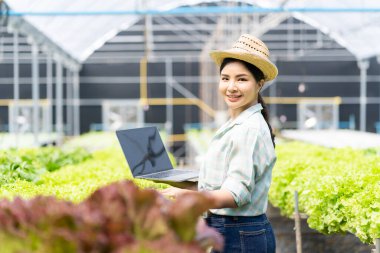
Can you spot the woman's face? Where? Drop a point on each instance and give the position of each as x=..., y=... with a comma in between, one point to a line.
x=238, y=87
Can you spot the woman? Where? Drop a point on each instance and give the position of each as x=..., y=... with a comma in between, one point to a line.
x=237, y=168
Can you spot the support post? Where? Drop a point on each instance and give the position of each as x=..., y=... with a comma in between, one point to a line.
x=49, y=93
x=169, y=96
x=13, y=126
x=76, y=105
x=69, y=104
x=273, y=94
x=378, y=61
x=144, y=82
x=35, y=92
x=297, y=220
x=363, y=66
x=377, y=243
x=58, y=98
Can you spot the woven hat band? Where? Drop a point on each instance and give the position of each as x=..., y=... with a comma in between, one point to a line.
x=252, y=45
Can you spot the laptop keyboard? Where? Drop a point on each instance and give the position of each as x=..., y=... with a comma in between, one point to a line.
x=168, y=173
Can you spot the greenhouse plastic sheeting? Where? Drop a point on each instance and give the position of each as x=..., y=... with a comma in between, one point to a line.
x=358, y=32
x=81, y=35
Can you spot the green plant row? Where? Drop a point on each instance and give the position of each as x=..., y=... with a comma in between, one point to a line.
x=78, y=181
x=338, y=188
x=30, y=164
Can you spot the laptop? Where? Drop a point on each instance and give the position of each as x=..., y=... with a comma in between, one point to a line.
x=147, y=157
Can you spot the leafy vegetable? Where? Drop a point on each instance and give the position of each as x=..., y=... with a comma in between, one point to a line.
x=116, y=218
x=29, y=164
x=77, y=182
x=338, y=188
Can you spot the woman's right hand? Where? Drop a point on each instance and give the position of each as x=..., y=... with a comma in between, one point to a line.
x=174, y=192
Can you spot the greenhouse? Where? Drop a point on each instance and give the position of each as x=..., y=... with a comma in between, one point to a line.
x=73, y=73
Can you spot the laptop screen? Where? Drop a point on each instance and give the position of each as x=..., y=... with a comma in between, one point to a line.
x=144, y=150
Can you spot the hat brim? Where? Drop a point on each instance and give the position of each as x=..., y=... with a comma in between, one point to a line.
x=269, y=70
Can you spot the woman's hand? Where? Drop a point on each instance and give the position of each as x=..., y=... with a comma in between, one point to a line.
x=221, y=198
x=173, y=192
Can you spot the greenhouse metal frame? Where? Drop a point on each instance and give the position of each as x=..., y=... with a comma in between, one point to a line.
x=70, y=35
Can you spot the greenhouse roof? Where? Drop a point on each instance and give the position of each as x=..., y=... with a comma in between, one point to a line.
x=78, y=28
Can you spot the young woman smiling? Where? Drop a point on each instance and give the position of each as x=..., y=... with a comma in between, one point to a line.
x=237, y=168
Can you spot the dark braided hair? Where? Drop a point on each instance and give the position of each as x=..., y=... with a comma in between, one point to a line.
x=258, y=75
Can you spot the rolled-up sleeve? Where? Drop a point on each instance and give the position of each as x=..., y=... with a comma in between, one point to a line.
x=240, y=178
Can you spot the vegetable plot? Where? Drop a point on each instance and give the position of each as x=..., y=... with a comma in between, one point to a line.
x=77, y=181
x=117, y=218
x=29, y=164
x=98, y=212
x=338, y=188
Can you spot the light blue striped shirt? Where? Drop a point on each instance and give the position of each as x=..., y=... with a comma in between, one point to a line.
x=240, y=159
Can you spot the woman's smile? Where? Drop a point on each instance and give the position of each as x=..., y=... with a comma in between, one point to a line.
x=234, y=98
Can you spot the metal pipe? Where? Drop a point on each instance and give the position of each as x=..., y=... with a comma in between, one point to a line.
x=49, y=93
x=272, y=93
x=148, y=36
x=378, y=61
x=297, y=219
x=207, y=10
x=16, y=86
x=363, y=66
x=35, y=92
x=143, y=81
x=69, y=105
x=169, y=96
x=76, y=105
x=58, y=98
x=208, y=110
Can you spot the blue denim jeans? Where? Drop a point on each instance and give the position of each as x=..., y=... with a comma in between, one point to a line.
x=242, y=234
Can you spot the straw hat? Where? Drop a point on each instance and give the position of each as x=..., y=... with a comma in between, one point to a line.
x=252, y=50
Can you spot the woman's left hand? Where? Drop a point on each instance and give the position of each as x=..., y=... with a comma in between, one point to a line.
x=173, y=192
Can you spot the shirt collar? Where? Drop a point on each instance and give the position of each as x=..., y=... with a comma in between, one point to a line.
x=243, y=116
